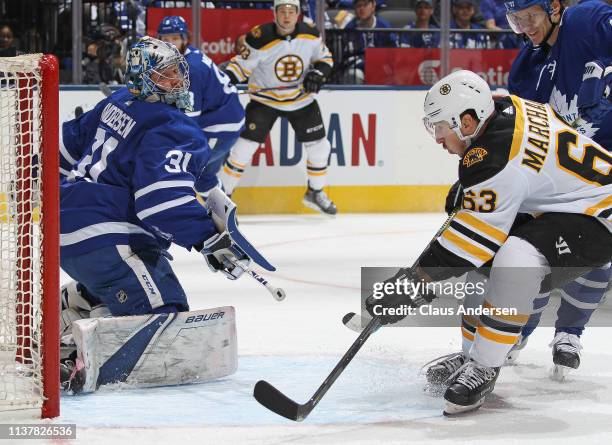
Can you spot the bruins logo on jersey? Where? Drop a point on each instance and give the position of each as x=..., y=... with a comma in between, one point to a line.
x=445, y=89
x=474, y=156
x=289, y=68
x=256, y=32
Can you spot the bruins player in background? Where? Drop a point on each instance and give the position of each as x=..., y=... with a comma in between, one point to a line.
x=285, y=53
x=516, y=156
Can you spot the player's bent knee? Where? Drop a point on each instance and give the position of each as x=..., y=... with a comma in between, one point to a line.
x=318, y=151
x=517, y=252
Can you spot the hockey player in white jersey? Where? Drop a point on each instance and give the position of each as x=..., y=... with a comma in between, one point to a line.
x=285, y=63
x=516, y=156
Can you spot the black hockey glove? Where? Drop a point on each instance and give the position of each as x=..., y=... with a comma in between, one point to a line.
x=313, y=81
x=221, y=254
x=454, y=198
x=392, y=306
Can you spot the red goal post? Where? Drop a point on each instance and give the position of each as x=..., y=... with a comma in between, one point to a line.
x=29, y=235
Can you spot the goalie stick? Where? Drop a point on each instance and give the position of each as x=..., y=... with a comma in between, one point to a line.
x=262, y=90
x=355, y=322
x=276, y=401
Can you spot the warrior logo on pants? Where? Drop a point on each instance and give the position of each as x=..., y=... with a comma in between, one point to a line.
x=289, y=68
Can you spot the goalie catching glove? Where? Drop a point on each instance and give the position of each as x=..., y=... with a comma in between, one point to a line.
x=387, y=307
x=222, y=254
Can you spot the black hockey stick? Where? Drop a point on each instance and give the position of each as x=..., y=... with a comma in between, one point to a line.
x=354, y=321
x=276, y=401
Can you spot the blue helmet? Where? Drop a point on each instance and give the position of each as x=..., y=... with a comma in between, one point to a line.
x=172, y=24
x=150, y=64
x=513, y=6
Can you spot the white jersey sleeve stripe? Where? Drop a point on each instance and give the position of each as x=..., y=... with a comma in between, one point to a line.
x=164, y=206
x=161, y=185
x=224, y=127
x=67, y=239
x=65, y=154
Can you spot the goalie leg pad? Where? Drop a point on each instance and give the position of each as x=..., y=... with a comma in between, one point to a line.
x=157, y=350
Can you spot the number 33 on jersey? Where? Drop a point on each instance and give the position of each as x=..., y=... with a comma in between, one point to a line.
x=528, y=161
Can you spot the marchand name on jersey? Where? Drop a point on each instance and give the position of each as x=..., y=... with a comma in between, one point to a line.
x=538, y=130
x=117, y=120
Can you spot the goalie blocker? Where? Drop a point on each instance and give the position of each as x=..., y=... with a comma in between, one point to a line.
x=153, y=350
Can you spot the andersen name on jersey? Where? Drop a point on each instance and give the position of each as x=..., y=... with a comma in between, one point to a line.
x=128, y=171
x=270, y=60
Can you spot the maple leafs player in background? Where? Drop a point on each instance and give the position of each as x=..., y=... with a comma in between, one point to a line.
x=129, y=167
x=516, y=156
x=567, y=62
x=288, y=55
x=216, y=107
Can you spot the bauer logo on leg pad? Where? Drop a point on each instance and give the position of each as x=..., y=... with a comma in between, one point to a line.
x=204, y=317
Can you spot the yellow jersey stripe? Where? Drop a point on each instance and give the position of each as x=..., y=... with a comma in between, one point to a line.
x=306, y=36
x=270, y=45
x=470, y=320
x=467, y=334
x=519, y=128
x=476, y=223
x=515, y=319
x=277, y=103
x=604, y=204
x=466, y=246
x=495, y=337
x=272, y=95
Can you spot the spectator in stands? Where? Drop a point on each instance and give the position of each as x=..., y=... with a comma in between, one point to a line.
x=96, y=67
x=7, y=42
x=494, y=14
x=424, y=20
x=463, y=13
x=357, y=41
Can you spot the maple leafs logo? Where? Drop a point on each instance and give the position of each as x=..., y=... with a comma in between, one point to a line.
x=568, y=110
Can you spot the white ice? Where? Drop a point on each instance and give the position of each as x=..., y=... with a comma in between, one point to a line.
x=295, y=343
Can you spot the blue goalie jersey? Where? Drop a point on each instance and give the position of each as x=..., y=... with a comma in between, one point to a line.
x=553, y=75
x=216, y=107
x=129, y=169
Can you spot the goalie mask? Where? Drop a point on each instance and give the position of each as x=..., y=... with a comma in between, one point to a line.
x=156, y=71
x=450, y=97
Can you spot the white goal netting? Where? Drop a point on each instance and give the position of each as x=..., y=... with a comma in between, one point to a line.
x=21, y=377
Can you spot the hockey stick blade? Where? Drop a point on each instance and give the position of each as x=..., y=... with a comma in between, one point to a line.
x=354, y=322
x=277, y=402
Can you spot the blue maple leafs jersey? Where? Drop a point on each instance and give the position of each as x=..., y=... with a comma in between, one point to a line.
x=128, y=171
x=216, y=107
x=554, y=75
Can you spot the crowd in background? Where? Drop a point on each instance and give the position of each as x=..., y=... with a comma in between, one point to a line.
x=111, y=26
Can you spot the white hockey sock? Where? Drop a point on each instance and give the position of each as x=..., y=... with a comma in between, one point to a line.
x=316, y=162
x=234, y=166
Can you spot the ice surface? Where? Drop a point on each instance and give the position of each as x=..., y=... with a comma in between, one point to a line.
x=295, y=343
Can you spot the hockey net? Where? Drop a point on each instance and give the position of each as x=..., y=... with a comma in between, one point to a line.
x=29, y=236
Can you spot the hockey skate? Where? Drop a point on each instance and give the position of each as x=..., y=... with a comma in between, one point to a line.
x=566, y=354
x=72, y=374
x=319, y=201
x=472, y=382
x=439, y=371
